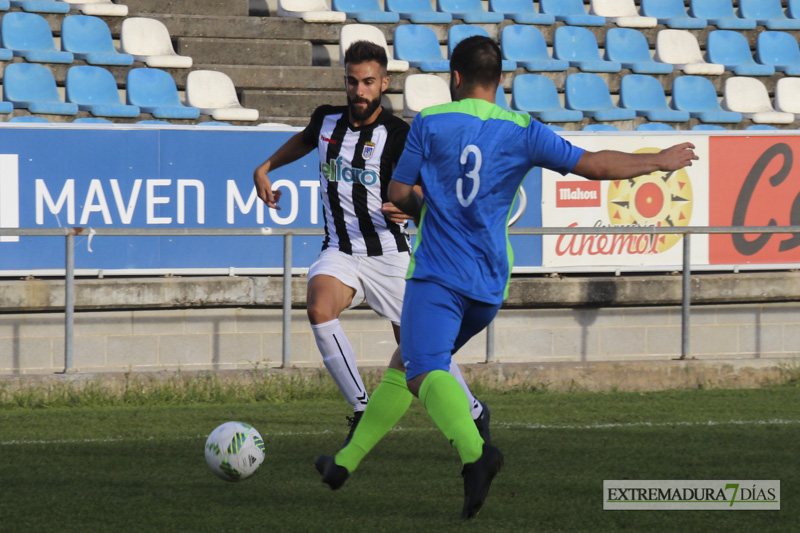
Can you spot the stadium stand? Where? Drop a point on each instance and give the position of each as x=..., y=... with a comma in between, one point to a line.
x=470, y=11
x=148, y=40
x=623, y=13
x=719, y=13
x=418, y=11
x=672, y=13
x=154, y=91
x=749, y=97
x=779, y=49
x=95, y=90
x=521, y=12
x=698, y=96
x=767, y=13
x=423, y=90
x=681, y=48
x=654, y=126
x=500, y=98
x=356, y=32
x=579, y=47
x=213, y=94
x=29, y=118
x=600, y=127
x=570, y=12
x=629, y=47
x=89, y=38
x=526, y=46
x=589, y=94
x=458, y=33
x=645, y=95
x=731, y=49
x=536, y=94
x=310, y=11
x=41, y=6
x=28, y=36
x=91, y=120
x=99, y=8
x=31, y=86
x=418, y=45
x=365, y=11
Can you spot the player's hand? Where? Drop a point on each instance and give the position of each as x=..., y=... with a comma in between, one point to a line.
x=394, y=214
x=264, y=188
x=678, y=156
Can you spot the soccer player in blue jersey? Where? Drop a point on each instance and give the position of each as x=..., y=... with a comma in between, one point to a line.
x=470, y=158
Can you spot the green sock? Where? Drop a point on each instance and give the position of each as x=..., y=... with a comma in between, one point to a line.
x=448, y=407
x=386, y=406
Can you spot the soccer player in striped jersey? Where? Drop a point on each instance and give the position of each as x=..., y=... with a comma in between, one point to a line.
x=470, y=157
x=366, y=250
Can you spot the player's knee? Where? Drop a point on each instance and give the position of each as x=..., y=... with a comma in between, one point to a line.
x=318, y=314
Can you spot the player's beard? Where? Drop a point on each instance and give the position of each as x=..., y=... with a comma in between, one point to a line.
x=364, y=114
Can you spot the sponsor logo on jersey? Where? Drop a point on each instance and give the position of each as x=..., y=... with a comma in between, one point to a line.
x=369, y=149
x=327, y=140
x=336, y=170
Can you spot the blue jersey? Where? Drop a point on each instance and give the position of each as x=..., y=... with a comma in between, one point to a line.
x=470, y=157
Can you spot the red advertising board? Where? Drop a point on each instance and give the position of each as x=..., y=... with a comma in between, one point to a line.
x=754, y=181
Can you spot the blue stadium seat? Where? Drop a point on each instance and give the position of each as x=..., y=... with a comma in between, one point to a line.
x=629, y=47
x=459, y=32
x=578, y=46
x=521, y=12
x=720, y=13
x=779, y=49
x=793, y=9
x=470, y=11
x=646, y=95
x=537, y=95
x=153, y=91
x=526, y=46
x=600, y=127
x=709, y=127
x=500, y=98
x=419, y=45
x=589, y=94
x=418, y=11
x=153, y=122
x=554, y=127
x=6, y=108
x=28, y=118
x=763, y=127
x=730, y=48
x=4, y=5
x=91, y=120
x=6, y=54
x=768, y=13
x=672, y=13
x=89, y=38
x=654, y=126
x=570, y=12
x=41, y=6
x=365, y=11
x=95, y=90
x=698, y=96
x=28, y=35
x=32, y=87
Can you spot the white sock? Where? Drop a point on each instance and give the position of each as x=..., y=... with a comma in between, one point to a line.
x=340, y=360
x=474, y=405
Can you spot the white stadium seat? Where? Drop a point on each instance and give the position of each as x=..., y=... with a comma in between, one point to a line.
x=310, y=11
x=623, y=13
x=99, y=8
x=148, y=40
x=423, y=90
x=787, y=95
x=365, y=32
x=214, y=94
x=749, y=97
x=681, y=48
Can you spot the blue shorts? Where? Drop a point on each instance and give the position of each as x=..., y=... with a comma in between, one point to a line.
x=437, y=321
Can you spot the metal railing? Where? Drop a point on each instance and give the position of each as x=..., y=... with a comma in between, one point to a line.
x=287, y=233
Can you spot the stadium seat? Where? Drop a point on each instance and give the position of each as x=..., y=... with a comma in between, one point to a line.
x=589, y=94
x=28, y=35
x=767, y=13
x=623, y=13
x=578, y=46
x=646, y=95
x=537, y=95
x=41, y=6
x=95, y=90
x=730, y=48
x=521, y=12
x=720, y=13
x=698, y=96
x=32, y=87
x=89, y=38
x=672, y=13
x=366, y=11
x=99, y=8
x=154, y=91
x=600, y=127
x=787, y=96
x=708, y=127
x=91, y=120
x=793, y=9
x=526, y=46
x=214, y=123
x=459, y=32
x=749, y=97
x=779, y=49
x=365, y=32
x=148, y=40
x=499, y=98
x=419, y=45
x=654, y=126
x=423, y=90
x=470, y=11
x=310, y=11
x=213, y=93
x=418, y=11
x=762, y=127
x=554, y=127
x=629, y=47
x=5, y=5
x=6, y=54
x=570, y=12
x=154, y=122
x=28, y=118
x=6, y=108
x=681, y=48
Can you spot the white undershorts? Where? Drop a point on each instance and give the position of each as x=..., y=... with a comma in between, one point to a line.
x=378, y=280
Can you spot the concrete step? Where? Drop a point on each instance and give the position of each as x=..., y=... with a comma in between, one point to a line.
x=195, y=7
x=301, y=104
x=213, y=50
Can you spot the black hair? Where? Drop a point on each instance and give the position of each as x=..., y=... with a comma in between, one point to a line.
x=478, y=60
x=362, y=51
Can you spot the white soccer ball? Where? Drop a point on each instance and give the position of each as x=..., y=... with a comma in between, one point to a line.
x=234, y=451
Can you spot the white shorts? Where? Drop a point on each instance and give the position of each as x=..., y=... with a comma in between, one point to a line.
x=378, y=280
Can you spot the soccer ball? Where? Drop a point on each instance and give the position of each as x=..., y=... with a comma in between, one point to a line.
x=234, y=451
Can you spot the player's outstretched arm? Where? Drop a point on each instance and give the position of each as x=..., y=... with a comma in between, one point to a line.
x=405, y=198
x=614, y=165
x=291, y=151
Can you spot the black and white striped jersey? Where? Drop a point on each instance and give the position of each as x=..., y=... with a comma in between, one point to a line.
x=356, y=165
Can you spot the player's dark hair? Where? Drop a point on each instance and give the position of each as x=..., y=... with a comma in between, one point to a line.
x=363, y=51
x=478, y=60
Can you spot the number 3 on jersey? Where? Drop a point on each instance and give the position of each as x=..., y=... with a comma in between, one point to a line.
x=472, y=174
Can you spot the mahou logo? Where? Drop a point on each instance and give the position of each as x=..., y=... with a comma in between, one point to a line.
x=578, y=194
